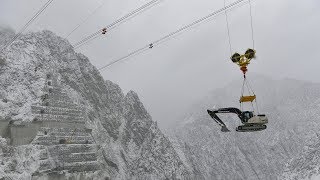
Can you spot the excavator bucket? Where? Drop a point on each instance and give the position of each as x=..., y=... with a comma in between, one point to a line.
x=247, y=98
x=224, y=129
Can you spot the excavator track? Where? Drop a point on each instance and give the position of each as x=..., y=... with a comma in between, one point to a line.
x=251, y=128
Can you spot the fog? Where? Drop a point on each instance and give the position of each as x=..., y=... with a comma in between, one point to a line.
x=170, y=77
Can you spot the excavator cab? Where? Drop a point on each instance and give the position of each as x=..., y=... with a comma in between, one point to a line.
x=246, y=115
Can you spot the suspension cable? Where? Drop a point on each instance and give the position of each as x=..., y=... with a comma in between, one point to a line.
x=87, y=38
x=27, y=25
x=88, y=42
x=182, y=29
x=153, y=2
x=242, y=92
x=117, y=22
x=256, y=102
x=85, y=19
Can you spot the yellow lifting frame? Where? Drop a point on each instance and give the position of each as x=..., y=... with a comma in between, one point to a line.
x=247, y=98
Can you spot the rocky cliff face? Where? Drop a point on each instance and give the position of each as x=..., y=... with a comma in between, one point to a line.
x=293, y=111
x=132, y=146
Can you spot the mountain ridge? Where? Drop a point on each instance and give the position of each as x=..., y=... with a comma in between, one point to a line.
x=131, y=144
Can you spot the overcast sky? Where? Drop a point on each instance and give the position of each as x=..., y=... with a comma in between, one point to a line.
x=169, y=77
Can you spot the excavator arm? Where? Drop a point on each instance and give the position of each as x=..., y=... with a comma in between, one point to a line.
x=212, y=113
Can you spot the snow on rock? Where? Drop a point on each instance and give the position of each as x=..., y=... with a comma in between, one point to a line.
x=19, y=162
x=131, y=144
x=307, y=164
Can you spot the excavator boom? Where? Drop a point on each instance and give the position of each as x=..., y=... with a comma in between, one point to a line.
x=212, y=113
x=218, y=120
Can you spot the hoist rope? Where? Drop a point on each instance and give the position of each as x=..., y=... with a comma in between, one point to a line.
x=251, y=22
x=250, y=91
x=164, y=38
x=249, y=88
x=257, y=106
x=242, y=91
x=227, y=22
x=256, y=102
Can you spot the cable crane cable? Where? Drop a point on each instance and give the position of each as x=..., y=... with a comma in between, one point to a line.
x=84, y=40
x=161, y=40
x=113, y=25
x=85, y=19
x=117, y=22
x=27, y=25
x=153, y=2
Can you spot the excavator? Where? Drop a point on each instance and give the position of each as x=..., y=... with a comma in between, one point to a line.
x=251, y=121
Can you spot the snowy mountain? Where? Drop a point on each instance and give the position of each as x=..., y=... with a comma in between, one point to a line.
x=293, y=110
x=130, y=145
x=124, y=142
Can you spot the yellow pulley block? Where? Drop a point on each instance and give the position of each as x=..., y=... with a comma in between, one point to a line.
x=243, y=60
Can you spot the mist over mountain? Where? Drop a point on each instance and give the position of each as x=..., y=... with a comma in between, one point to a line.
x=293, y=110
